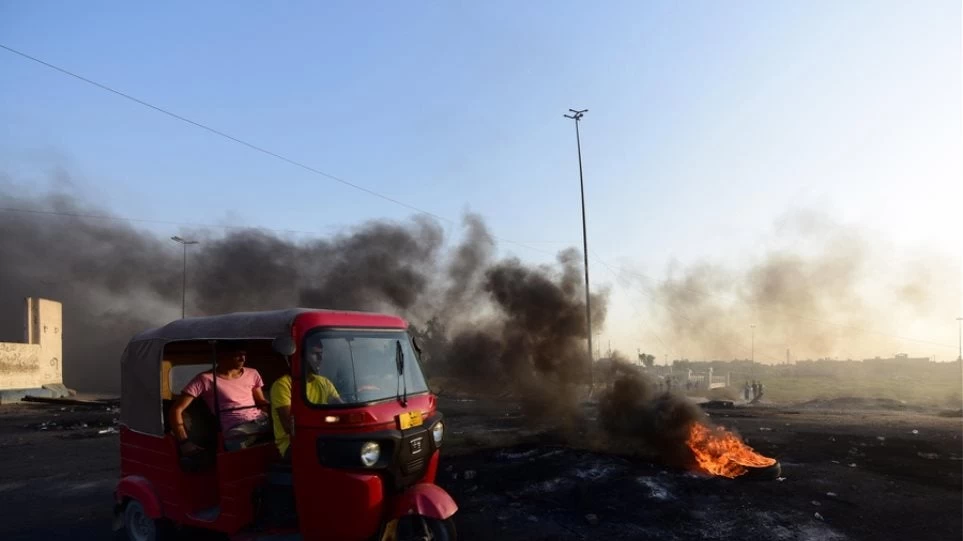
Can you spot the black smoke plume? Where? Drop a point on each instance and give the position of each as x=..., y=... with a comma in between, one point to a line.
x=501, y=320
x=639, y=417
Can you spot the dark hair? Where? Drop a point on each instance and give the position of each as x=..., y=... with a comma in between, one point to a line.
x=230, y=347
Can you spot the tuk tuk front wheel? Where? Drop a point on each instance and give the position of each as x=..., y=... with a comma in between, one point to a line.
x=420, y=528
x=139, y=526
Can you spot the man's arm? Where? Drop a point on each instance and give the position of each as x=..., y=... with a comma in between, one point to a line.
x=177, y=417
x=177, y=425
x=281, y=402
x=284, y=417
x=194, y=388
x=332, y=392
x=259, y=399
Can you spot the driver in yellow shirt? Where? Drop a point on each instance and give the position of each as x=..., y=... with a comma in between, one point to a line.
x=319, y=390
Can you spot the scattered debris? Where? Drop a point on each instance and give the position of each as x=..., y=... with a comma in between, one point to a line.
x=835, y=461
x=532, y=518
x=722, y=404
x=596, y=472
x=764, y=429
x=110, y=430
x=816, y=503
x=915, y=431
x=852, y=465
x=780, y=479
x=656, y=490
x=517, y=455
x=881, y=438
x=469, y=475
x=71, y=401
x=592, y=519
x=928, y=456
x=831, y=494
x=818, y=516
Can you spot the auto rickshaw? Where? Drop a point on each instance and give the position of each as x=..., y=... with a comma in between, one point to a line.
x=361, y=469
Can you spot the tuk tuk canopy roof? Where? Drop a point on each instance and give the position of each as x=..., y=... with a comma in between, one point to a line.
x=140, y=364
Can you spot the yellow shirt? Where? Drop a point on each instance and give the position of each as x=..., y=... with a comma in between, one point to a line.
x=320, y=390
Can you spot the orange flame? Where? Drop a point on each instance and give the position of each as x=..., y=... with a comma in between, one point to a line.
x=720, y=452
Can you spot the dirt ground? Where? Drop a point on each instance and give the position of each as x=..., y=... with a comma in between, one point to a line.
x=877, y=473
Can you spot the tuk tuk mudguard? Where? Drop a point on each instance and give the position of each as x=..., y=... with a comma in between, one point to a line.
x=136, y=487
x=425, y=499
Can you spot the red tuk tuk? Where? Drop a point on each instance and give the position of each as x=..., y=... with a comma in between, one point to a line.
x=361, y=469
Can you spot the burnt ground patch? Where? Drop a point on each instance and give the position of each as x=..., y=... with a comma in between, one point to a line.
x=868, y=474
x=847, y=474
x=555, y=492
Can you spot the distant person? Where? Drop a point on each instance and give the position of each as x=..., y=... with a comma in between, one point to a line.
x=319, y=390
x=746, y=390
x=239, y=397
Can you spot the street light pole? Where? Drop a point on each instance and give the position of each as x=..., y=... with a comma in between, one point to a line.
x=959, y=320
x=577, y=117
x=752, y=353
x=753, y=350
x=185, y=243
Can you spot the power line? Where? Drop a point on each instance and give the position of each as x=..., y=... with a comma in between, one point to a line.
x=346, y=183
x=249, y=145
x=220, y=133
x=150, y=221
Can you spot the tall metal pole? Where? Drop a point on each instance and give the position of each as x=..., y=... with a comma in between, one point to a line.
x=577, y=116
x=184, y=285
x=185, y=243
x=752, y=358
x=753, y=350
x=959, y=320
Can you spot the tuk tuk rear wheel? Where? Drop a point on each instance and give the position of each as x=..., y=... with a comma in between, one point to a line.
x=138, y=526
x=421, y=528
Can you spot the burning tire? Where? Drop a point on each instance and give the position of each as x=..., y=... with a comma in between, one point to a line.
x=768, y=473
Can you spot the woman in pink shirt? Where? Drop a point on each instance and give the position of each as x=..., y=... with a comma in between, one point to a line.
x=239, y=398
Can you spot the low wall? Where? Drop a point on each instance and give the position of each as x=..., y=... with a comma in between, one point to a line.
x=37, y=361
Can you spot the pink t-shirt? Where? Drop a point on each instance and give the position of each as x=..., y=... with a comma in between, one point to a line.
x=232, y=393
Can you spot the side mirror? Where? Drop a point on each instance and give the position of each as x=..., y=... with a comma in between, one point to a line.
x=414, y=342
x=284, y=345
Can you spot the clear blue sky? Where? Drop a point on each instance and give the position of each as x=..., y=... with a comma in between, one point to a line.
x=708, y=120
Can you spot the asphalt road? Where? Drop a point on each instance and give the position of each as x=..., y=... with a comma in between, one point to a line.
x=865, y=473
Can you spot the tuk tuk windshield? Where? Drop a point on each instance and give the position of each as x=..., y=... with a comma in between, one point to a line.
x=363, y=366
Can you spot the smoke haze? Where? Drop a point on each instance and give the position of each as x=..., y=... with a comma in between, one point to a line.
x=500, y=323
x=814, y=291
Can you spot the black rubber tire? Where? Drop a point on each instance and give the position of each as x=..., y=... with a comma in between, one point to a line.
x=139, y=527
x=769, y=473
x=411, y=528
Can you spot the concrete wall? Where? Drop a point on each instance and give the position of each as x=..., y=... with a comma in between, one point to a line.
x=38, y=360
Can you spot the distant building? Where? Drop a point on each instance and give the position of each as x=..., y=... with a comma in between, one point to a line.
x=34, y=366
x=901, y=360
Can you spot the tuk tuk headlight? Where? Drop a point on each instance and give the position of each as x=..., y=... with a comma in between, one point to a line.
x=438, y=432
x=370, y=453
